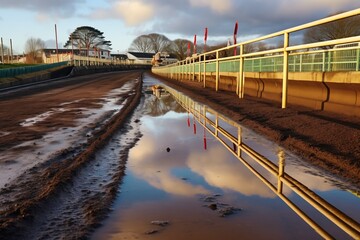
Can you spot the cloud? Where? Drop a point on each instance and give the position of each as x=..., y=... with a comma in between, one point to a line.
x=134, y=12
x=51, y=8
x=217, y=6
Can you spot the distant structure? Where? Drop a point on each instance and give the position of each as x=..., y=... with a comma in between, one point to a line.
x=52, y=56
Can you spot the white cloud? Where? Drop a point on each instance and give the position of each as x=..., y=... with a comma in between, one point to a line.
x=217, y=6
x=134, y=12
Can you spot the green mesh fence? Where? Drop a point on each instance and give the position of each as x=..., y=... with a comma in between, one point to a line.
x=13, y=72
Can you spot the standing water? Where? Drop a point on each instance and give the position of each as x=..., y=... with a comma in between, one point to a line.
x=194, y=174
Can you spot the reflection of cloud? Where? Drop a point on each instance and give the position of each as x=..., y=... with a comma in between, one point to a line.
x=226, y=174
x=154, y=165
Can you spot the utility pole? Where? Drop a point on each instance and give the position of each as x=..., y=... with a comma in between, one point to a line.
x=57, y=48
x=11, y=51
x=2, y=51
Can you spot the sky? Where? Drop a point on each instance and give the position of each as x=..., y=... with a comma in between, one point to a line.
x=123, y=20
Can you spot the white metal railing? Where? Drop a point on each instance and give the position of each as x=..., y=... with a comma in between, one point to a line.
x=284, y=59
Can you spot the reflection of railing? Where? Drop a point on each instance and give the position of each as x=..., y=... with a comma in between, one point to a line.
x=237, y=147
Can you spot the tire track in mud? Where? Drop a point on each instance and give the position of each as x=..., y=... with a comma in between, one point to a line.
x=69, y=195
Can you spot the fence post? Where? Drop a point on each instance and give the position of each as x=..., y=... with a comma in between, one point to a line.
x=217, y=72
x=199, y=64
x=241, y=79
x=193, y=69
x=285, y=71
x=204, y=70
x=357, y=59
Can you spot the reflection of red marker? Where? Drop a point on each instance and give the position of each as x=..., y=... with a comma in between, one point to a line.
x=194, y=124
x=188, y=120
x=205, y=146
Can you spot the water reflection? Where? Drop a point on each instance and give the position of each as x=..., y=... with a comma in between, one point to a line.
x=233, y=141
x=170, y=185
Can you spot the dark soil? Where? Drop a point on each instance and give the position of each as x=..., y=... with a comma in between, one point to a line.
x=325, y=139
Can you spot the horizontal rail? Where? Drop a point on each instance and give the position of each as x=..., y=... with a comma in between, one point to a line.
x=330, y=60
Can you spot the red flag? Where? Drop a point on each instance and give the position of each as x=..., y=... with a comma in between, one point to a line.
x=235, y=32
x=194, y=43
x=205, y=35
x=236, y=28
x=188, y=49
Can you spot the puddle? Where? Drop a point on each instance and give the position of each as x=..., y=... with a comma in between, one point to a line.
x=179, y=173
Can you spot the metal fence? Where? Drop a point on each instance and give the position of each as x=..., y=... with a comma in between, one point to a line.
x=296, y=58
x=13, y=72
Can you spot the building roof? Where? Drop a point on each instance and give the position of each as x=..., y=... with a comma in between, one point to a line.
x=142, y=55
x=60, y=51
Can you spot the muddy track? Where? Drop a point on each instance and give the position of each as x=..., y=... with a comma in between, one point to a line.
x=41, y=187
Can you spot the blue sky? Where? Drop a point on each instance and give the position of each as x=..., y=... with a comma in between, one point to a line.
x=123, y=20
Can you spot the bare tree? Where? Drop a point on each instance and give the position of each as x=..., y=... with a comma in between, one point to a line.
x=85, y=38
x=343, y=28
x=141, y=44
x=34, y=49
x=180, y=48
x=160, y=43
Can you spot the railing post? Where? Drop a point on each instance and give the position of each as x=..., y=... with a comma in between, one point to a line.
x=324, y=61
x=182, y=70
x=217, y=72
x=204, y=71
x=301, y=62
x=241, y=87
x=193, y=69
x=285, y=71
x=199, y=63
x=357, y=59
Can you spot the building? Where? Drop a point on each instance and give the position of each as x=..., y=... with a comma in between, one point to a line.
x=51, y=55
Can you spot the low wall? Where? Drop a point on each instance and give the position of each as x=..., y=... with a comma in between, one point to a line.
x=337, y=92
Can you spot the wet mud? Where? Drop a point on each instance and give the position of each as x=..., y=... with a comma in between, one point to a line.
x=66, y=196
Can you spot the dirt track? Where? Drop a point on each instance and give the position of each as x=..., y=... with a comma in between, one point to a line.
x=326, y=140
x=74, y=198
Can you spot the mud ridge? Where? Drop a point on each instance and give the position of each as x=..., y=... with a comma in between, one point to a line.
x=32, y=194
